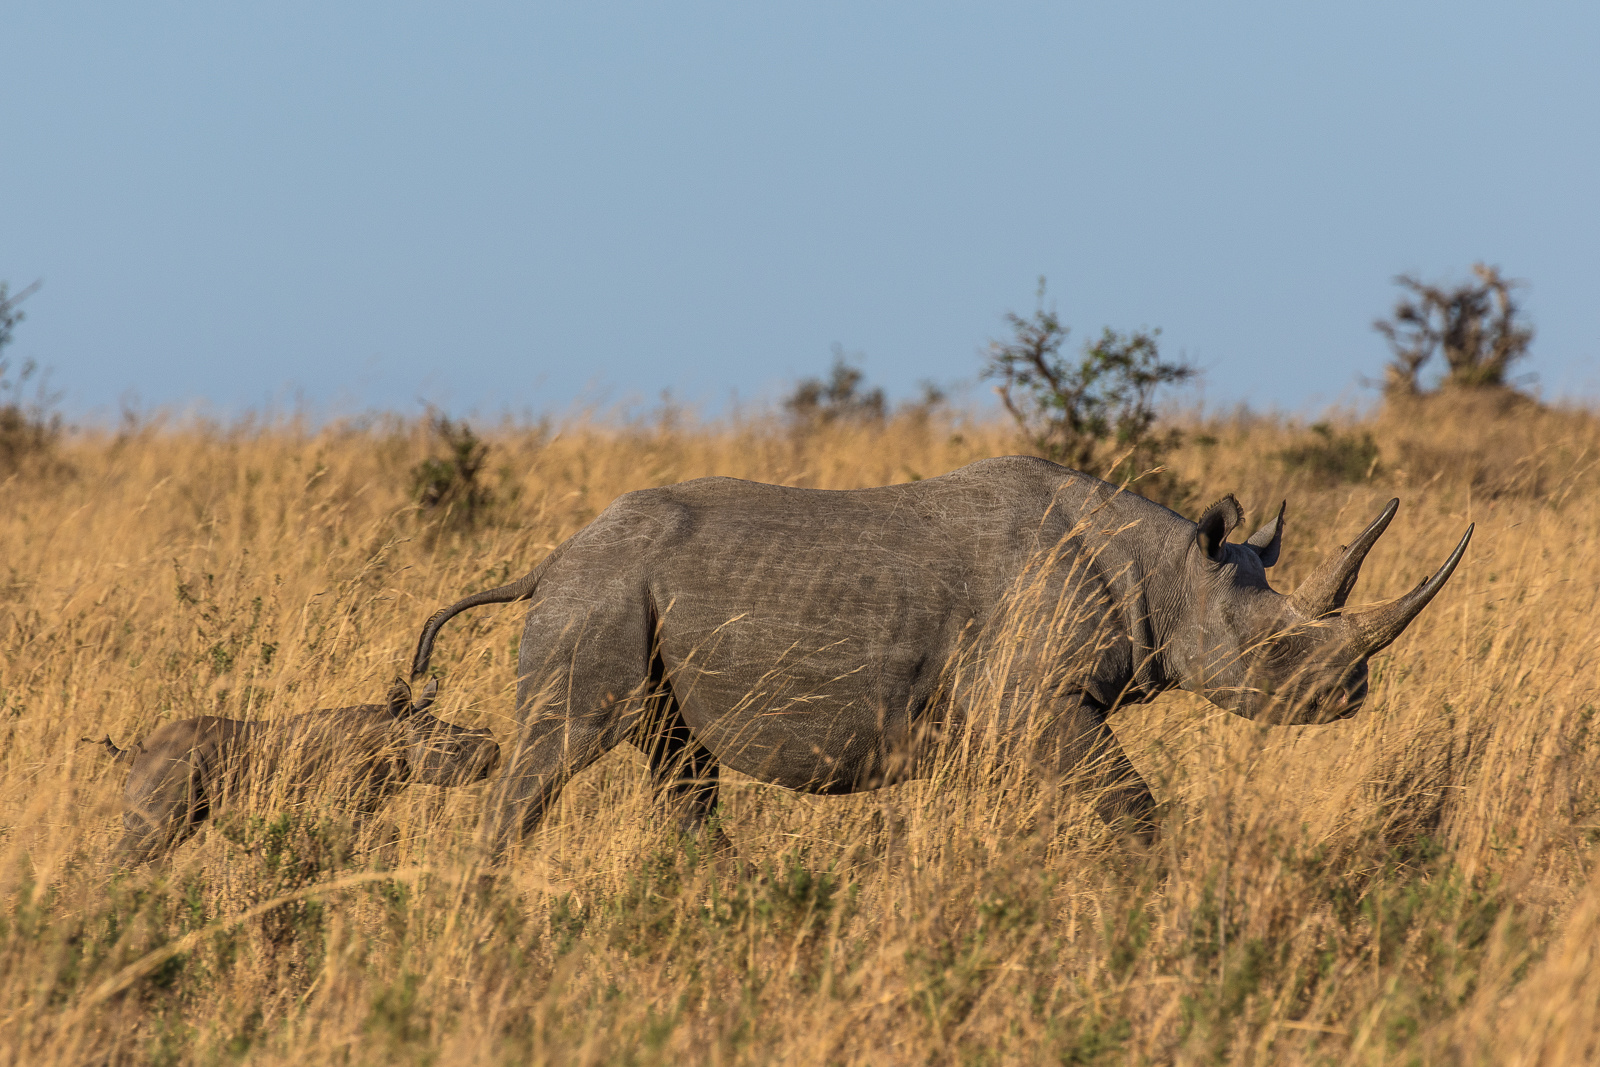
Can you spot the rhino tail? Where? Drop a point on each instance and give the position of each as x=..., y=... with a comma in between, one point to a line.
x=118, y=754
x=521, y=589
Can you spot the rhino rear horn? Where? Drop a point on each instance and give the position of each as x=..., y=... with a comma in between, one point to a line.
x=1215, y=524
x=1329, y=586
x=1268, y=540
x=1379, y=626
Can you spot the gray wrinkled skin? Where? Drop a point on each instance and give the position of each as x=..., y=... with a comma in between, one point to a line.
x=826, y=640
x=186, y=770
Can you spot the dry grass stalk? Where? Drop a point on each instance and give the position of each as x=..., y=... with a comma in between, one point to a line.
x=1413, y=885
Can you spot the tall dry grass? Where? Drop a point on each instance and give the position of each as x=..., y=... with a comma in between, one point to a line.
x=1414, y=885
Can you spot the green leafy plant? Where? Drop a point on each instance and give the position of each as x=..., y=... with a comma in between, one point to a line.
x=452, y=482
x=281, y=856
x=29, y=429
x=841, y=397
x=1333, y=456
x=1095, y=412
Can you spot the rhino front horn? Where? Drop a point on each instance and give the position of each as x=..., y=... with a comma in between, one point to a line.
x=1382, y=624
x=1329, y=586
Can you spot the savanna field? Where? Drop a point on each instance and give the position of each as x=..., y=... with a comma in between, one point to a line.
x=1415, y=885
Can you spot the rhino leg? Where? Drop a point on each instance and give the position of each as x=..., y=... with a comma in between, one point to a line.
x=684, y=772
x=163, y=805
x=548, y=752
x=584, y=686
x=1074, y=746
x=144, y=840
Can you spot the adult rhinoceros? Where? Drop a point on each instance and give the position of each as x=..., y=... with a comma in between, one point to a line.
x=811, y=638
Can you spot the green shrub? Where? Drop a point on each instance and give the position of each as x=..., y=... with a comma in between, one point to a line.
x=1095, y=413
x=1333, y=456
x=451, y=482
x=842, y=397
x=29, y=429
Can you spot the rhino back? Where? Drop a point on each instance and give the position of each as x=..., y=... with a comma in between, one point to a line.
x=330, y=746
x=205, y=743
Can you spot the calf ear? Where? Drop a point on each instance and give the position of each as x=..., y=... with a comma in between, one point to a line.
x=1269, y=539
x=399, y=698
x=429, y=691
x=1216, y=524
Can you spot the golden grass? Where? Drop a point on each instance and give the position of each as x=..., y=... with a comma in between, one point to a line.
x=1415, y=885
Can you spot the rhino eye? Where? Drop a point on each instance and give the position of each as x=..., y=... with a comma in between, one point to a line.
x=1277, y=652
x=1286, y=653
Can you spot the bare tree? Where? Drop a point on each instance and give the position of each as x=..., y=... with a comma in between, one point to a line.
x=10, y=310
x=1474, y=325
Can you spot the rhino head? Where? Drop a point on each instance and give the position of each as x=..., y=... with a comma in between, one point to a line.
x=1295, y=659
x=439, y=752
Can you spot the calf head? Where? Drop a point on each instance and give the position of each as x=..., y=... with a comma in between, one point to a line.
x=438, y=752
x=1293, y=659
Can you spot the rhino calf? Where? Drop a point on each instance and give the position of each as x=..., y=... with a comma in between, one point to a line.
x=185, y=771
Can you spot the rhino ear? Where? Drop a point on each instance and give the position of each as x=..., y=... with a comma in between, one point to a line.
x=425, y=699
x=399, y=698
x=1269, y=539
x=1212, y=531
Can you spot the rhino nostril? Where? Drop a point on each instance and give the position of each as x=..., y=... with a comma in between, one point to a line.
x=1353, y=699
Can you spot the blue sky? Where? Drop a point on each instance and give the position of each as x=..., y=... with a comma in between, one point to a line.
x=525, y=207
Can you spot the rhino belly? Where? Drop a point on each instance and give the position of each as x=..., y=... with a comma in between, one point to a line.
x=812, y=746
x=826, y=717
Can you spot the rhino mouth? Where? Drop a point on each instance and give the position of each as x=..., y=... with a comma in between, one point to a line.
x=1333, y=707
x=1355, y=696
x=477, y=767
x=1333, y=703
x=1307, y=703
x=456, y=763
